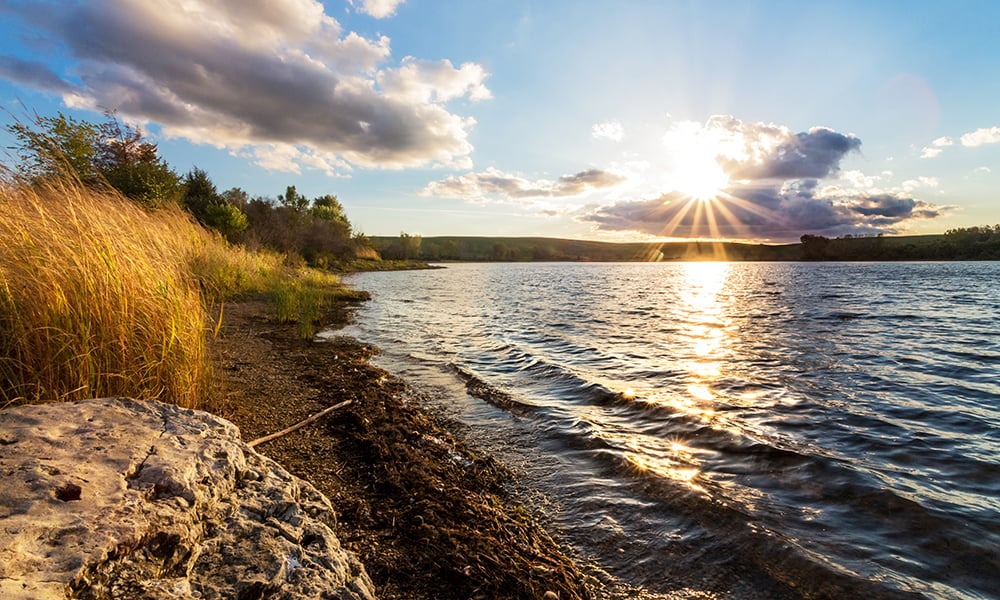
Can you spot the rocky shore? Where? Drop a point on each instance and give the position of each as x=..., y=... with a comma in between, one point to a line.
x=118, y=498
x=428, y=517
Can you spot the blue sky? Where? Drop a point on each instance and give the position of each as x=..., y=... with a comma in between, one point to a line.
x=584, y=119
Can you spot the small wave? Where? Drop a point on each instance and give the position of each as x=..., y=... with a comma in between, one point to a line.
x=480, y=388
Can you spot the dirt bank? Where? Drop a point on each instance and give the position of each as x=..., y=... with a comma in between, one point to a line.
x=428, y=517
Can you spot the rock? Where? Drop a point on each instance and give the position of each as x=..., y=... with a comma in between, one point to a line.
x=118, y=498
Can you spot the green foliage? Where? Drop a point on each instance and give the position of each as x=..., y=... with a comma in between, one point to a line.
x=553, y=249
x=329, y=209
x=227, y=219
x=211, y=208
x=318, y=231
x=57, y=145
x=406, y=247
x=112, y=153
x=293, y=200
x=302, y=296
x=131, y=165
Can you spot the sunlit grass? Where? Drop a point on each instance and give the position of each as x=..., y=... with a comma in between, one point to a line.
x=100, y=297
x=97, y=298
x=301, y=296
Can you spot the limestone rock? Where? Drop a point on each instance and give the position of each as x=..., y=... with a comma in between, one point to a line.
x=118, y=498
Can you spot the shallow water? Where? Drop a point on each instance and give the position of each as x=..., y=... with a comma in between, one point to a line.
x=772, y=430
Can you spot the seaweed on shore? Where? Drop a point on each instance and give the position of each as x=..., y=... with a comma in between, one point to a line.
x=428, y=517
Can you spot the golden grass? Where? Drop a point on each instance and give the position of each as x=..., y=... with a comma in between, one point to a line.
x=98, y=298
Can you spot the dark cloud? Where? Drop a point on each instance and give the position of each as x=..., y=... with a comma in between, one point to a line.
x=770, y=212
x=493, y=182
x=33, y=74
x=245, y=73
x=814, y=154
x=776, y=191
x=571, y=185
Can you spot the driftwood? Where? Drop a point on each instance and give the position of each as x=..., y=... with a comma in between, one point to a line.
x=299, y=425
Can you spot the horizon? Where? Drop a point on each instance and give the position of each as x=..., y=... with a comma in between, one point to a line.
x=746, y=122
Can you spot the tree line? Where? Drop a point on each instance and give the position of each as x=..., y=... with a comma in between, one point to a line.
x=114, y=155
x=965, y=243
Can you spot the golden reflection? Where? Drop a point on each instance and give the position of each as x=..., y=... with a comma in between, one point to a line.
x=669, y=469
x=704, y=308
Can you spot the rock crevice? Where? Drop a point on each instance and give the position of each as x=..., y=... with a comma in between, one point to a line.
x=164, y=503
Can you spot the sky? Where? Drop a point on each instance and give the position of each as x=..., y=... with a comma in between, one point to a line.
x=625, y=120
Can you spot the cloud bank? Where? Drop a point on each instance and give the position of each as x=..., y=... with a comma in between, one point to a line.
x=776, y=189
x=979, y=137
x=279, y=80
x=493, y=184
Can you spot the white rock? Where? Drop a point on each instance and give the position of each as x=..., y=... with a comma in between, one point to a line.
x=163, y=510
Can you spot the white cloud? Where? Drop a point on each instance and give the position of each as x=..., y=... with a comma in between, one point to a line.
x=289, y=158
x=935, y=147
x=979, y=137
x=913, y=184
x=781, y=184
x=425, y=81
x=859, y=180
x=380, y=9
x=747, y=150
x=495, y=184
x=984, y=170
x=281, y=75
x=610, y=130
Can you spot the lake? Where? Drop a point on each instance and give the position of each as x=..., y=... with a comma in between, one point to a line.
x=727, y=430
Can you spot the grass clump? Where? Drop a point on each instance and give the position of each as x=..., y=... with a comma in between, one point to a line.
x=302, y=295
x=97, y=298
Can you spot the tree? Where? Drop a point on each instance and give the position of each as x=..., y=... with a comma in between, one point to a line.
x=814, y=247
x=113, y=153
x=199, y=193
x=237, y=197
x=211, y=208
x=56, y=146
x=329, y=209
x=293, y=200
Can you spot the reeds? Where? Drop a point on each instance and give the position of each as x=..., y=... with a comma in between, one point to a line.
x=98, y=298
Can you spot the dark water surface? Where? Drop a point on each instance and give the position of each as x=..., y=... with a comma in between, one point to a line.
x=729, y=430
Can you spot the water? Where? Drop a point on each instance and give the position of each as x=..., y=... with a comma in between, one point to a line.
x=729, y=430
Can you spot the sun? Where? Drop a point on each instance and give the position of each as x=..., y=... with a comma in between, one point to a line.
x=699, y=177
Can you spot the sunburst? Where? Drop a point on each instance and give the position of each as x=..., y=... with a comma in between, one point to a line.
x=700, y=177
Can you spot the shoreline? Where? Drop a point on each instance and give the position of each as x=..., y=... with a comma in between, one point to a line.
x=428, y=517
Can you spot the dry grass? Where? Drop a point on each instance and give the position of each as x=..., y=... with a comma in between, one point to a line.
x=101, y=297
x=97, y=298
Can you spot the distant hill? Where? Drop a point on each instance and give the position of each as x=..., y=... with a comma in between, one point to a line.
x=978, y=243
x=555, y=249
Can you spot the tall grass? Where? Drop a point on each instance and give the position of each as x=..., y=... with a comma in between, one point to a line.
x=97, y=298
x=100, y=297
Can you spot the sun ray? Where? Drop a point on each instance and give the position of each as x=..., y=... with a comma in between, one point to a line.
x=671, y=225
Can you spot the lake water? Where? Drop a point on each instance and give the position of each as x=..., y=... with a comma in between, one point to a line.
x=728, y=430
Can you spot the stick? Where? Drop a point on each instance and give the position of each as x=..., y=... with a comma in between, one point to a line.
x=300, y=424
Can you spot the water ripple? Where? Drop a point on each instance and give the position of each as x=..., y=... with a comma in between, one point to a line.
x=804, y=430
